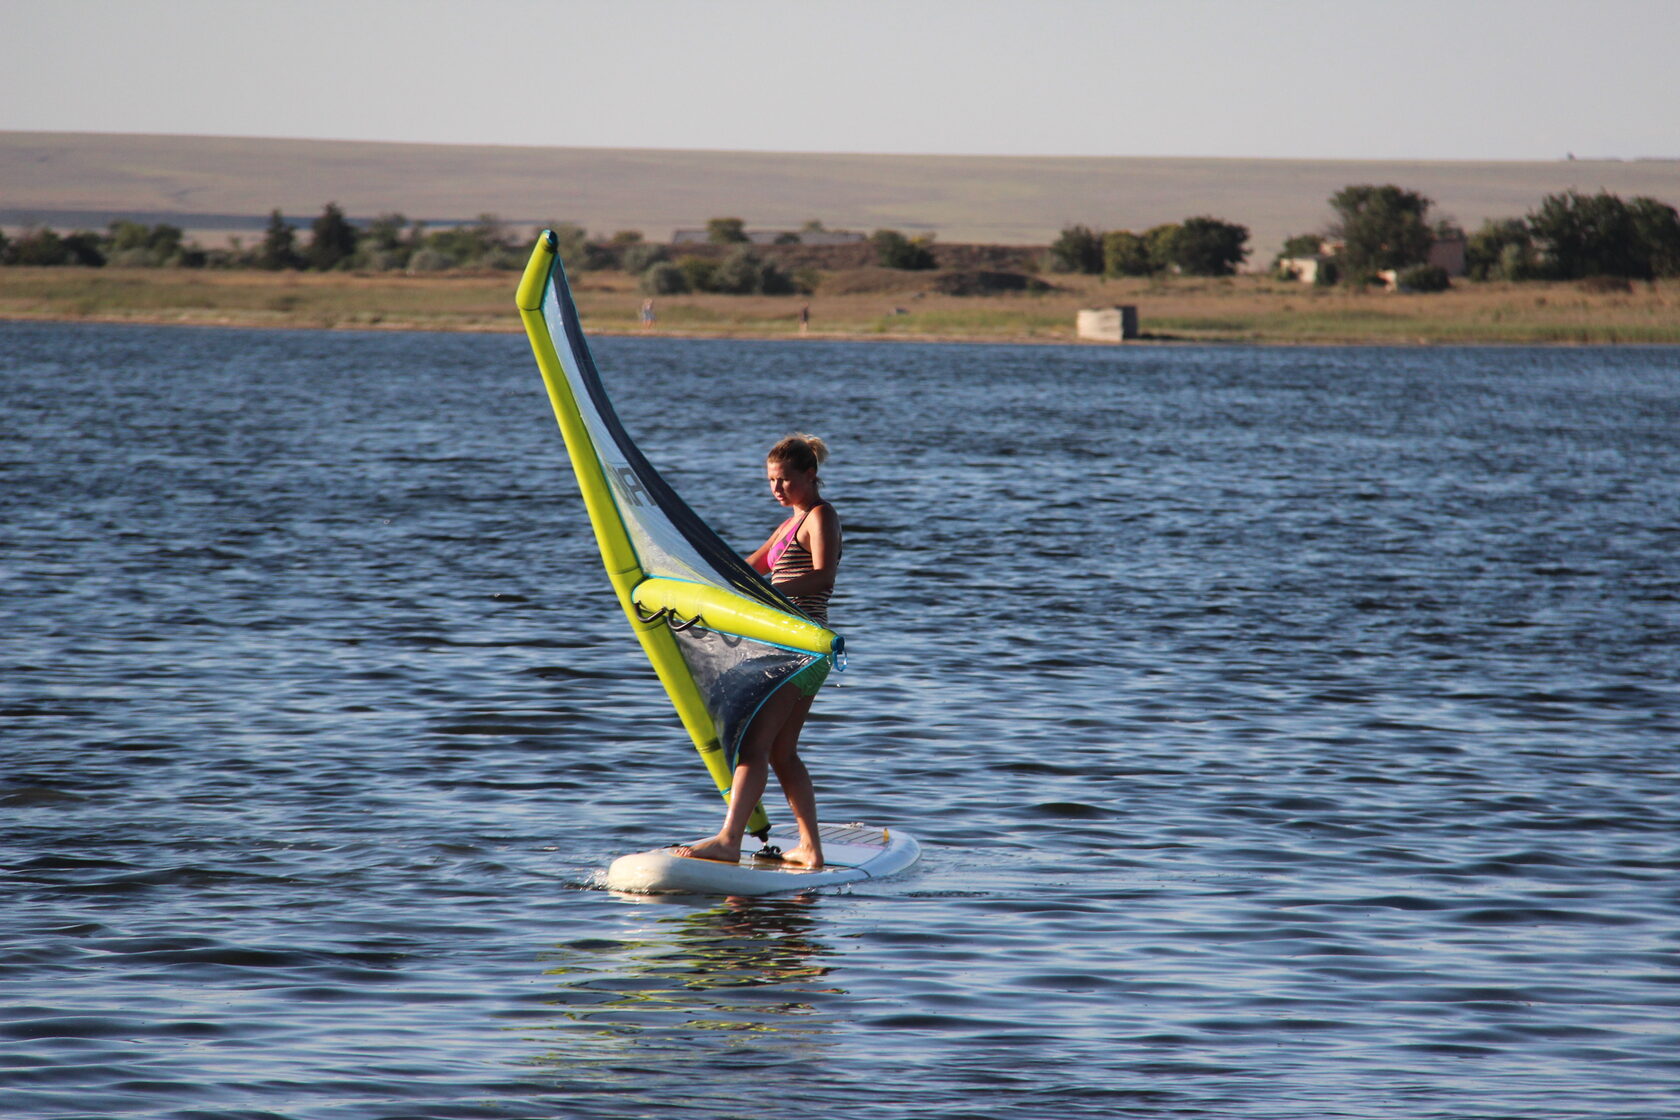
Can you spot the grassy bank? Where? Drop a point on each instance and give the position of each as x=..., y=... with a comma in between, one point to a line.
x=897, y=305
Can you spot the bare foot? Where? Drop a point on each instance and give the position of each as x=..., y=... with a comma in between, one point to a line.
x=715, y=848
x=803, y=856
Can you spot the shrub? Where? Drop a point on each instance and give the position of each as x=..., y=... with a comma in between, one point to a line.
x=1077, y=249
x=40, y=248
x=1209, y=247
x=1501, y=250
x=1592, y=235
x=131, y=258
x=1381, y=227
x=1125, y=254
x=1606, y=285
x=744, y=273
x=141, y=246
x=1423, y=278
x=375, y=258
x=1656, y=226
x=429, y=260
x=984, y=282
x=698, y=271
x=84, y=248
x=1161, y=242
x=332, y=239
x=726, y=231
x=894, y=250
x=663, y=278
x=279, y=245
x=637, y=258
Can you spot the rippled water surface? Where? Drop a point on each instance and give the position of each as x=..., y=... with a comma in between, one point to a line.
x=1291, y=733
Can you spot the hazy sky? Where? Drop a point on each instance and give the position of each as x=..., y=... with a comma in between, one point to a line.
x=1358, y=79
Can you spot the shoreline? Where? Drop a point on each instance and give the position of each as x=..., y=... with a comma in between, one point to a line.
x=1249, y=310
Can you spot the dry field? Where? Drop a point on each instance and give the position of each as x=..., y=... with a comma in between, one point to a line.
x=202, y=183
x=901, y=306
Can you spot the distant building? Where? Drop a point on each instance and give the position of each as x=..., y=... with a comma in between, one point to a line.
x=1448, y=253
x=776, y=237
x=1444, y=252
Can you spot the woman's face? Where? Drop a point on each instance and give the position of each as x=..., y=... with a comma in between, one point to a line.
x=790, y=485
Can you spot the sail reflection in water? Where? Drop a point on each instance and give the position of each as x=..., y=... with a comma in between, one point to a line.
x=743, y=965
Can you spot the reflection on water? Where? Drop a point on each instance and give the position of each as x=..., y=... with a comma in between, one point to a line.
x=698, y=977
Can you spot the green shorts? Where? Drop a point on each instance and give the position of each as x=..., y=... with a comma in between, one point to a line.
x=809, y=679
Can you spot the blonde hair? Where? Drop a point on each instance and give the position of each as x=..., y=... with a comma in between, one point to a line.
x=800, y=451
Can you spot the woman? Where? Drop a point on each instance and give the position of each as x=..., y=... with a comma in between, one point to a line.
x=800, y=558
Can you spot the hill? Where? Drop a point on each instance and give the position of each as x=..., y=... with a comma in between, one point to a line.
x=211, y=185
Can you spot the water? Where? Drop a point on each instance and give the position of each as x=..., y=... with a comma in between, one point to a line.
x=1291, y=733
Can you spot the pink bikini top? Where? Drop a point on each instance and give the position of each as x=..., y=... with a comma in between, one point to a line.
x=780, y=544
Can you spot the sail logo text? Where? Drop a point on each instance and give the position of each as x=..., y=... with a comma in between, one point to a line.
x=627, y=486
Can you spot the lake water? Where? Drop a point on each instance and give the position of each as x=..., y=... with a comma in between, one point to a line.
x=1291, y=733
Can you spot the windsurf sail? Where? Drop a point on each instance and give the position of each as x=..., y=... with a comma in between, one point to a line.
x=720, y=638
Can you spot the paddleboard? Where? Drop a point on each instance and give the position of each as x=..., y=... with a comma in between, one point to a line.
x=851, y=852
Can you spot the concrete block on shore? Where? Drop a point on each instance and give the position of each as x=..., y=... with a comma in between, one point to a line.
x=1108, y=324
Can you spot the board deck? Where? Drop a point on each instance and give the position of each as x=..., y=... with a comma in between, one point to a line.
x=851, y=852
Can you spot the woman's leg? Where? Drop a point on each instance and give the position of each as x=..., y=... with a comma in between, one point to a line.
x=752, y=772
x=795, y=781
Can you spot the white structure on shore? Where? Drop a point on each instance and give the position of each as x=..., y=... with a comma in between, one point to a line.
x=1108, y=324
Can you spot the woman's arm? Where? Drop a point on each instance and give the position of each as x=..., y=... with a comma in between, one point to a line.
x=760, y=558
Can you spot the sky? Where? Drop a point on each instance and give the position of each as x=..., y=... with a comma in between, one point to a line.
x=1288, y=79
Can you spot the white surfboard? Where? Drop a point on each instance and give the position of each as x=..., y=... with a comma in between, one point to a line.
x=850, y=852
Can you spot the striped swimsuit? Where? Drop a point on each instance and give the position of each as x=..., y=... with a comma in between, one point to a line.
x=789, y=558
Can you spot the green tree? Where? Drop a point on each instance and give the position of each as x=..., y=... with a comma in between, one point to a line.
x=1587, y=235
x=1077, y=249
x=40, y=248
x=1209, y=247
x=383, y=245
x=894, y=250
x=1656, y=227
x=1161, y=241
x=386, y=231
x=135, y=244
x=662, y=278
x=572, y=242
x=332, y=239
x=637, y=259
x=279, y=245
x=699, y=272
x=1125, y=254
x=726, y=231
x=1380, y=227
x=1503, y=249
x=84, y=248
x=1423, y=278
x=484, y=243
x=1302, y=245
x=743, y=272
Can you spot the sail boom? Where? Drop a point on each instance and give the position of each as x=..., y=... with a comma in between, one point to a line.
x=730, y=614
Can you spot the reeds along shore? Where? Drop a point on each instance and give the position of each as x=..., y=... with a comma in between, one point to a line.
x=870, y=304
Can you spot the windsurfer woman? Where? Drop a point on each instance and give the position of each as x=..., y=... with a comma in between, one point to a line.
x=801, y=558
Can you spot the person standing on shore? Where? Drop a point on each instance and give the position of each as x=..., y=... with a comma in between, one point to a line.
x=800, y=558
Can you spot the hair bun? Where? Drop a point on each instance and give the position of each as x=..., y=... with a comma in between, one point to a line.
x=801, y=450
